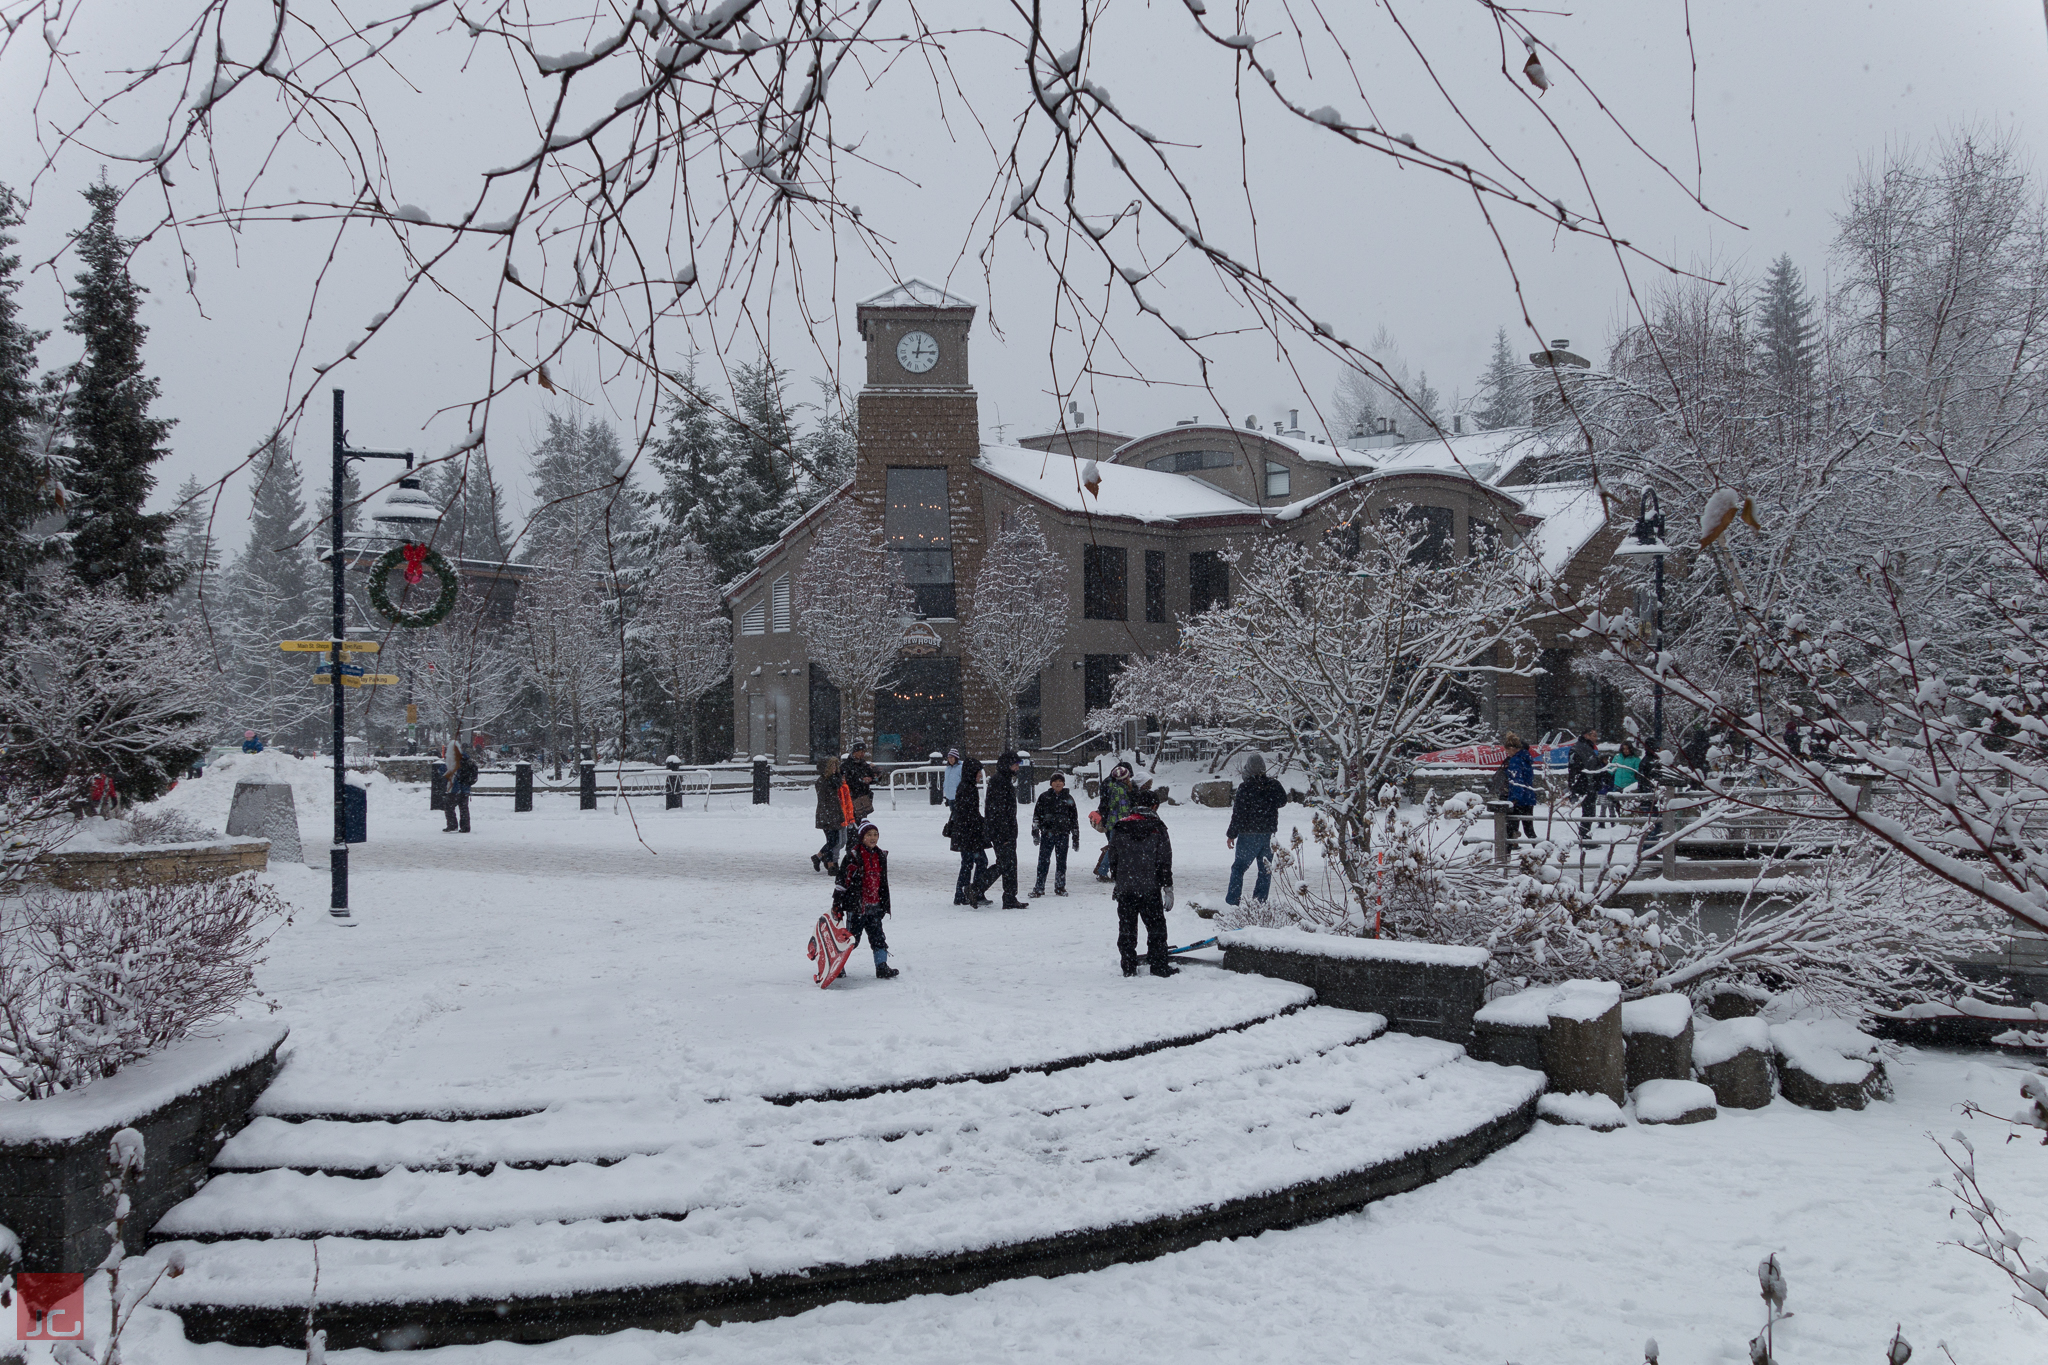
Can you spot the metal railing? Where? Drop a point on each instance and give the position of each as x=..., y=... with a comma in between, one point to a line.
x=923, y=777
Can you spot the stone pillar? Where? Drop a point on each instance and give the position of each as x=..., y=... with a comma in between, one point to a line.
x=264, y=810
x=522, y=787
x=586, y=793
x=1584, y=1049
x=760, y=781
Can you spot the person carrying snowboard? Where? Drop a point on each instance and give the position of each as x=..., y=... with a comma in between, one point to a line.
x=1113, y=803
x=1054, y=820
x=835, y=814
x=1141, y=861
x=862, y=895
x=999, y=820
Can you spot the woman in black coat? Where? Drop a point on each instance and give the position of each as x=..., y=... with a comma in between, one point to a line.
x=968, y=830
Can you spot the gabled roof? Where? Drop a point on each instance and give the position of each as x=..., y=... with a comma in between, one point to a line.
x=1315, y=452
x=914, y=293
x=1487, y=455
x=1127, y=491
x=1572, y=515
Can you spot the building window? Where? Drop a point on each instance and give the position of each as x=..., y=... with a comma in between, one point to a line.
x=1030, y=716
x=1105, y=583
x=1098, y=677
x=1188, y=461
x=1155, y=585
x=1208, y=581
x=754, y=621
x=916, y=525
x=1433, y=531
x=1278, y=480
x=779, y=596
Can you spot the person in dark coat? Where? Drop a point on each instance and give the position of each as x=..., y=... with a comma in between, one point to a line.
x=462, y=775
x=1141, y=861
x=1112, y=803
x=860, y=779
x=999, y=816
x=1587, y=774
x=1254, y=820
x=1054, y=820
x=968, y=832
x=861, y=896
x=1516, y=780
x=835, y=813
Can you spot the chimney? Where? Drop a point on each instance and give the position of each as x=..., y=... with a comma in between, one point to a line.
x=1458, y=423
x=1251, y=423
x=1294, y=419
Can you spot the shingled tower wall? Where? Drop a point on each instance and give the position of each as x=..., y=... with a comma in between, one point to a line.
x=930, y=420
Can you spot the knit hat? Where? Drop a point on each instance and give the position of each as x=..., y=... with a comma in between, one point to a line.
x=952, y=754
x=1255, y=766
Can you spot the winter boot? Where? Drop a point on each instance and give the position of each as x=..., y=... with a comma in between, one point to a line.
x=1036, y=892
x=1009, y=904
x=817, y=862
x=1059, y=891
x=1130, y=969
x=882, y=968
x=1164, y=969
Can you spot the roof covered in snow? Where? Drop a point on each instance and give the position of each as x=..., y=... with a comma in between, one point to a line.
x=1130, y=491
x=1316, y=452
x=1485, y=455
x=1572, y=515
x=915, y=294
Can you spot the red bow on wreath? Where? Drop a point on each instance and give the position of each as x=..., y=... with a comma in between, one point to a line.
x=415, y=562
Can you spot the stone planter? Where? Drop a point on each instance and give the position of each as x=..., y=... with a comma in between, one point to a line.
x=1658, y=1035
x=1821, y=1067
x=1570, y=1032
x=185, y=1101
x=1421, y=988
x=91, y=869
x=1734, y=1057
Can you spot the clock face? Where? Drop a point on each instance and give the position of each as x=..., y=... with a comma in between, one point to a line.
x=917, y=352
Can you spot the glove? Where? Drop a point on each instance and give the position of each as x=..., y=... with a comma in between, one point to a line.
x=1166, y=897
x=1077, y=841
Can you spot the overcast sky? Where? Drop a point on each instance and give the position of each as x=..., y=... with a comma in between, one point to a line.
x=1789, y=99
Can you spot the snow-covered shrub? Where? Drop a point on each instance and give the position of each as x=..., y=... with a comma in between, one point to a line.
x=90, y=981
x=156, y=827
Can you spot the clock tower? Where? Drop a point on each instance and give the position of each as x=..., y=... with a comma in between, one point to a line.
x=919, y=434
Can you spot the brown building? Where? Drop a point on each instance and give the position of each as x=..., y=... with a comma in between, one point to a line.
x=1142, y=549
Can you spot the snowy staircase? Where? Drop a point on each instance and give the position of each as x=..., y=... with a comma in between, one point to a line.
x=597, y=1217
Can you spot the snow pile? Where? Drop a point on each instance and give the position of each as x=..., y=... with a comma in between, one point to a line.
x=1664, y=1016
x=141, y=1087
x=1583, y=1108
x=1720, y=1039
x=207, y=799
x=1295, y=940
x=1831, y=1051
x=1582, y=1001
x=1668, y=1101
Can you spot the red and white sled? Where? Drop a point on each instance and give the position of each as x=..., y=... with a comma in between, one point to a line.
x=831, y=946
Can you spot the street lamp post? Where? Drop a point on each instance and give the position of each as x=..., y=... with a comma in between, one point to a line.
x=337, y=857
x=1649, y=540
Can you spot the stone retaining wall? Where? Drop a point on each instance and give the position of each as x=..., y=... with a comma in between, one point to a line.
x=186, y=1101
x=1435, y=999
x=91, y=869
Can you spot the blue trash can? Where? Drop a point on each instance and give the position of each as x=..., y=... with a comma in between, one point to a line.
x=355, y=814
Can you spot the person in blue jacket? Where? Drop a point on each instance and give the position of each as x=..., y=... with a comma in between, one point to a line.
x=1516, y=781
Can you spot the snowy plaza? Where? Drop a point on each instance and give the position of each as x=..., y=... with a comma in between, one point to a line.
x=636, y=977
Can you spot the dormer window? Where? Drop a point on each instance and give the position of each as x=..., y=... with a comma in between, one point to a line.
x=1278, y=480
x=1190, y=461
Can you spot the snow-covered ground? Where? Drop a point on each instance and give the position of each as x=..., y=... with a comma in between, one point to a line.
x=565, y=957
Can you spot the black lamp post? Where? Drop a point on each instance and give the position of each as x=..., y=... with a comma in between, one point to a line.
x=337, y=858
x=1649, y=540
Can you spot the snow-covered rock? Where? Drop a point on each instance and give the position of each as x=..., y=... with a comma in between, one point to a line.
x=1669, y=1101
x=1734, y=1057
x=1658, y=1034
x=1596, y=1111
x=1828, y=1064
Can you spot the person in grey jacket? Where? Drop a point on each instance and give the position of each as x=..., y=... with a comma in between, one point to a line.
x=1254, y=820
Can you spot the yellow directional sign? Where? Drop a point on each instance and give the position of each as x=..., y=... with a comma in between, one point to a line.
x=368, y=680
x=327, y=646
x=377, y=679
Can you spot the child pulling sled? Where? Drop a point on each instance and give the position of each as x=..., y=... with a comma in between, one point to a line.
x=860, y=899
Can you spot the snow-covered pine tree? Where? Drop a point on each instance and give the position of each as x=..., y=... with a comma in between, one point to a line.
x=1016, y=613
x=194, y=552
x=29, y=477
x=103, y=400
x=827, y=452
x=683, y=636
x=273, y=594
x=690, y=456
x=564, y=639
x=760, y=463
x=473, y=521
x=1786, y=329
x=584, y=511
x=850, y=604
x=1502, y=387
x=1426, y=402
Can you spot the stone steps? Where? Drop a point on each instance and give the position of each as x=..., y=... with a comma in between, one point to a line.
x=598, y=1217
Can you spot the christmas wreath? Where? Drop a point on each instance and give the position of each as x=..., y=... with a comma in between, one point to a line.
x=417, y=561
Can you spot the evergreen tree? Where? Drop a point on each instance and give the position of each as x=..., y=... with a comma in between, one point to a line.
x=691, y=458
x=193, y=552
x=1427, y=402
x=583, y=518
x=28, y=479
x=473, y=523
x=105, y=400
x=273, y=592
x=1786, y=328
x=1501, y=387
x=760, y=470
x=829, y=450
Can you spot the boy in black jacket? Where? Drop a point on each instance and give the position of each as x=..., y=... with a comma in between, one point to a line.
x=1054, y=820
x=1141, y=860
